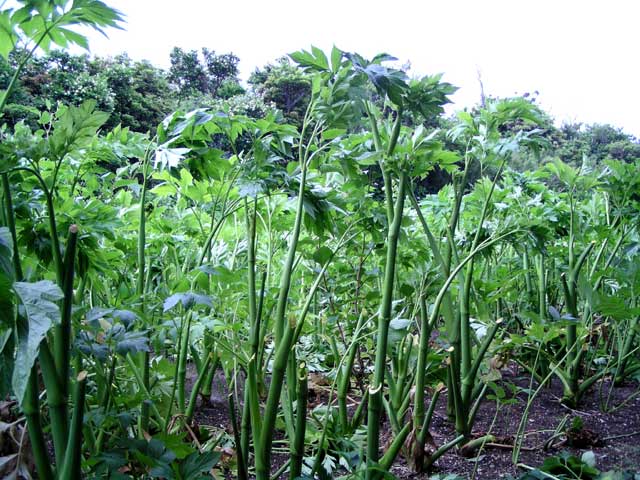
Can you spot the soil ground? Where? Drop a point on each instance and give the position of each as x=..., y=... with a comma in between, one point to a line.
x=613, y=437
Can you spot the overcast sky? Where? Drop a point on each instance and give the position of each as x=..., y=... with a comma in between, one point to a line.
x=582, y=56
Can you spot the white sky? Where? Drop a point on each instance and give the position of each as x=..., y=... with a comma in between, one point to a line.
x=582, y=56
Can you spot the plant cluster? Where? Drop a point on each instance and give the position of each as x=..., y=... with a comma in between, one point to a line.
x=300, y=266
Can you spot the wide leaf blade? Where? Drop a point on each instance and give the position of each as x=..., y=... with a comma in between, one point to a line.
x=39, y=313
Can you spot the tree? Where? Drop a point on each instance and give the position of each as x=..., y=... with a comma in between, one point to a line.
x=284, y=85
x=136, y=94
x=141, y=93
x=215, y=75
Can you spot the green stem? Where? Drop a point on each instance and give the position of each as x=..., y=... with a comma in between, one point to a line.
x=11, y=224
x=542, y=288
x=392, y=452
x=182, y=362
x=263, y=445
x=285, y=277
x=252, y=408
x=421, y=367
x=297, y=446
x=345, y=378
x=62, y=335
x=58, y=408
x=240, y=452
x=375, y=391
x=31, y=409
x=70, y=470
x=442, y=450
x=193, y=398
x=145, y=392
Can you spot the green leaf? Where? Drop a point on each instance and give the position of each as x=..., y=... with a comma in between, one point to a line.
x=332, y=133
x=314, y=60
x=131, y=342
x=198, y=463
x=187, y=299
x=322, y=255
x=39, y=313
x=614, y=307
x=336, y=57
x=8, y=35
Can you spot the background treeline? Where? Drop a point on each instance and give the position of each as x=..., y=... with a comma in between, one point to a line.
x=138, y=95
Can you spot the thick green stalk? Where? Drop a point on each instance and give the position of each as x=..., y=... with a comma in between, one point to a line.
x=70, y=470
x=58, y=408
x=461, y=360
x=445, y=267
x=143, y=357
x=623, y=354
x=452, y=321
x=455, y=214
x=62, y=337
x=264, y=443
x=284, y=333
x=542, y=287
x=205, y=391
x=245, y=427
x=285, y=276
x=241, y=452
x=193, y=398
x=421, y=367
x=386, y=176
x=442, y=450
x=394, y=449
x=574, y=354
x=375, y=391
x=297, y=446
x=11, y=224
x=426, y=423
x=182, y=361
x=251, y=408
x=344, y=381
x=527, y=276
x=105, y=404
x=31, y=409
x=465, y=324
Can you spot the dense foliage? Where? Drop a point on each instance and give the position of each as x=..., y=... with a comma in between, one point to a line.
x=141, y=259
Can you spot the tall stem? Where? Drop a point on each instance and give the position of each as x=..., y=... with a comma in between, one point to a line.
x=31, y=409
x=63, y=331
x=297, y=445
x=11, y=224
x=375, y=390
x=143, y=357
x=285, y=277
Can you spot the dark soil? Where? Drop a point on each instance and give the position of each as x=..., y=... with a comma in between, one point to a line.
x=613, y=437
x=545, y=414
